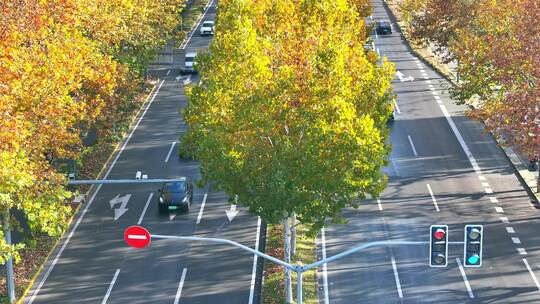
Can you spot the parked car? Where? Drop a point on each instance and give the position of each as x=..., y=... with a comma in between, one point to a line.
x=207, y=28
x=174, y=196
x=383, y=27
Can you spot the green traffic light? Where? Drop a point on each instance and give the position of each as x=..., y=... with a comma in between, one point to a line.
x=473, y=259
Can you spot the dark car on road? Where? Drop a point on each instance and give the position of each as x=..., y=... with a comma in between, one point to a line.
x=175, y=196
x=383, y=27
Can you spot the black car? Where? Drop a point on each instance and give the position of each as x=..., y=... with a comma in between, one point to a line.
x=175, y=196
x=383, y=27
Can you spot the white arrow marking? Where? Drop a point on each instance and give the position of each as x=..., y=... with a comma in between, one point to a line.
x=119, y=199
x=232, y=212
x=187, y=80
x=402, y=77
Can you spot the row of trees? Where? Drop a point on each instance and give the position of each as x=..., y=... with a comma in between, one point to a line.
x=495, y=45
x=66, y=66
x=291, y=113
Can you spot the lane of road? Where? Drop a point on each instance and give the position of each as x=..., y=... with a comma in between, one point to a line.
x=443, y=169
x=93, y=265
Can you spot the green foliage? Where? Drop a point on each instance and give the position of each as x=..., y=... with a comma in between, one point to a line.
x=292, y=114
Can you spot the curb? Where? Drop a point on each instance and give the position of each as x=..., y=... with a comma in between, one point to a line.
x=509, y=154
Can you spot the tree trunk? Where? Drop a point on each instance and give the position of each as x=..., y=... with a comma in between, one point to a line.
x=288, y=279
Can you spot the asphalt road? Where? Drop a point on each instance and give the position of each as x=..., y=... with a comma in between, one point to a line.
x=435, y=149
x=92, y=264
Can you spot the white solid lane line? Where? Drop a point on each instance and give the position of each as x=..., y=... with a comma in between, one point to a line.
x=324, y=269
x=464, y=275
x=170, y=151
x=110, y=287
x=145, y=208
x=396, y=277
x=199, y=217
x=79, y=220
x=254, y=269
x=412, y=145
x=532, y=273
x=180, y=286
x=433, y=197
x=460, y=139
x=168, y=72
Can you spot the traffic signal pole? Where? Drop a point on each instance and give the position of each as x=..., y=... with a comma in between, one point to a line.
x=296, y=268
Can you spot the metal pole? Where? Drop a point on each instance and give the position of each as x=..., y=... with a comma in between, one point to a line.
x=299, y=273
x=293, y=234
x=9, y=264
x=288, y=279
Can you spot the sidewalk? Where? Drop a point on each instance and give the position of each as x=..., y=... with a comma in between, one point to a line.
x=527, y=177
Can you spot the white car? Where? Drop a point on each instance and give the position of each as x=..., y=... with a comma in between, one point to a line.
x=207, y=28
x=189, y=63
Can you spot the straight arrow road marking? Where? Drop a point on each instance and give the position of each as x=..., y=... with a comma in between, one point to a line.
x=110, y=287
x=232, y=212
x=180, y=286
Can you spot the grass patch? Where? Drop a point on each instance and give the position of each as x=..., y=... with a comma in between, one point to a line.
x=273, y=285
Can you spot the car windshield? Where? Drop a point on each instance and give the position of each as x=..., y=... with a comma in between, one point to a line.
x=190, y=59
x=384, y=23
x=207, y=24
x=178, y=187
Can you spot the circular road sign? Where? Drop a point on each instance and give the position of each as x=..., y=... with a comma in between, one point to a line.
x=137, y=236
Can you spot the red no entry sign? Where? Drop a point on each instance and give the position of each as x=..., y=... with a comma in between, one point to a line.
x=137, y=236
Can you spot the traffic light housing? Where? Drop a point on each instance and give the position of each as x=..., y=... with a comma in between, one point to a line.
x=472, y=249
x=438, y=249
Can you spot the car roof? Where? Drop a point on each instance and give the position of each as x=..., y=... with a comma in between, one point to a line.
x=208, y=22
x=383, y=22
x=191, y=54
x=174, y=186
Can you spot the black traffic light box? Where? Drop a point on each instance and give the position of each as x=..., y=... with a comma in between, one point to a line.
x=472, y=249
x=438, y=249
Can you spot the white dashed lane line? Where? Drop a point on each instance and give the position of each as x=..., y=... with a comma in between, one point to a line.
x=510, y=230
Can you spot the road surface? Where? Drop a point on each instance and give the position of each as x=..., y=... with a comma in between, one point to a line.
x=443, y=170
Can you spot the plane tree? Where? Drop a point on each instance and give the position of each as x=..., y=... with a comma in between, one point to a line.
x=292, y=112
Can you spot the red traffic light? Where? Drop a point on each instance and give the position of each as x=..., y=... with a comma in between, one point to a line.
x=439, y=234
